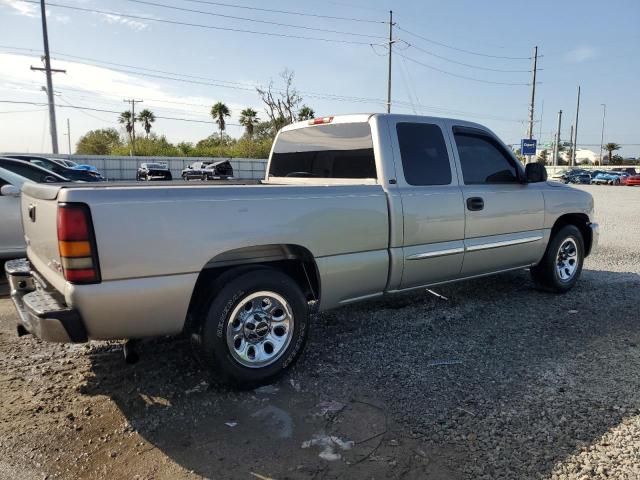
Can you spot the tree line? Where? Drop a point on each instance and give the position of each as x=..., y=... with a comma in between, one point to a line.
x=282, y=107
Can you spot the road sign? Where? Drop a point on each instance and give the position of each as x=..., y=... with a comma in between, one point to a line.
x=528, y=146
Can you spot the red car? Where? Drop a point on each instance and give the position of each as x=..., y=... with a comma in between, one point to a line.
x=630, y=180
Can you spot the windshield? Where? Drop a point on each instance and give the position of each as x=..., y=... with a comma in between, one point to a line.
x=343, y=150
x=155, y=165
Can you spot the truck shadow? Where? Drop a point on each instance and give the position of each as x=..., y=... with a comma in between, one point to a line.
x=491, y=377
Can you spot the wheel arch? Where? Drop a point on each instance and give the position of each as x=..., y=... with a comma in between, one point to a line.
x=579, y=220
x=294, y=260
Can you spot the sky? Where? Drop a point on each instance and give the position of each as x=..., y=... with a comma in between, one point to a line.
x=463, y=59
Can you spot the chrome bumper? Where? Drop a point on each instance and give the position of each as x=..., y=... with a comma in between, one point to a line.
x=41, y=311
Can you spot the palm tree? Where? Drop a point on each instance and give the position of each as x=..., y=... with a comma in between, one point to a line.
x=248, y=119
x=125, y=119
x=146, y=117
x=218, y=112
x=306, y=113
x=611, y=147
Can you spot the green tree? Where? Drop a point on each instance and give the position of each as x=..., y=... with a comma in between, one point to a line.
x=127, y=120
x=610, y=148
x=306, y=113
x=543, y=157
x=219, y=111
x=185, y=148
x=146, y=117
x=249, y=119
x=99, y=142
x=617, y=160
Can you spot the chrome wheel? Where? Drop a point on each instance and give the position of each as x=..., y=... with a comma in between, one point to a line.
x=259, y=329
x=567, y=260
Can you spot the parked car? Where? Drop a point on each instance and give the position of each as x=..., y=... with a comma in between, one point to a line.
x=352, y=207
x=31, y=171
x=630, y=180
x=608, y=178
x=582, y=177
x=153, y=171
x=12, y=244
x=206, y=170
x=74, y=165
x=66, y=172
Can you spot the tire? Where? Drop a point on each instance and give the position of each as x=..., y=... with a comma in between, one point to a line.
x=548, y=274
x=276, y=333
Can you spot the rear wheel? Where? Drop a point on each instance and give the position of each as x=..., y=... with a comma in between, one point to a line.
x=560, y=268
x=254, y=327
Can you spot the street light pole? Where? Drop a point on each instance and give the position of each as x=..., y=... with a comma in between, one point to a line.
x=389, y=67
x=604, y=114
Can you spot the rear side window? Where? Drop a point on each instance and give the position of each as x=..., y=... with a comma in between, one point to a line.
x=424, y=154
x=484, y=160
x=343, y=150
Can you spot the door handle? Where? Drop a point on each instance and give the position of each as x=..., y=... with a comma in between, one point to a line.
x=475, y=204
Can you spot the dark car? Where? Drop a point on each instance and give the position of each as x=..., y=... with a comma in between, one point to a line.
x=208, y=170
x=582, y=177
x=153, y=171
x=55, y=167
x=31, y=171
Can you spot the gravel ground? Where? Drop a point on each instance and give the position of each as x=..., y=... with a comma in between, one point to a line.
x=495, y=380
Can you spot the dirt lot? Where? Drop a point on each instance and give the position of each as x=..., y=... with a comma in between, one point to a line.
x=496, y=380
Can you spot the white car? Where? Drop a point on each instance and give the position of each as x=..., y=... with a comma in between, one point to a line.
x=12, y=243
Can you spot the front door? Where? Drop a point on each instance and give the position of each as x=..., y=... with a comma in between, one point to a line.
x=433, y=246
x=504, y=216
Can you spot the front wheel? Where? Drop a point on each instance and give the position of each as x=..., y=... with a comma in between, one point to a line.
x=560, y=268
x=254, y=327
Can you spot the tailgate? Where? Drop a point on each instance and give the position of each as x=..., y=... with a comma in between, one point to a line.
x=39, y=218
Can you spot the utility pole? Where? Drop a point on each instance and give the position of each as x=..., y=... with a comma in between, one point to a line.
x=48, y=70
x=133, y=102
x=391, y=42
x=69, y=137
x=556, y=146
x=533, y=96
x=604, y=114
x=575, y=131
x=570, y=156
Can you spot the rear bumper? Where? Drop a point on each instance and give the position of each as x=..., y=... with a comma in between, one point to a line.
x=42, y=312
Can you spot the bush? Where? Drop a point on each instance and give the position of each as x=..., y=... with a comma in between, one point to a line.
x=99, y=142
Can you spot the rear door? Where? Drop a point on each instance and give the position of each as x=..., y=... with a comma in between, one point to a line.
x=504, y=217
x=432, y=203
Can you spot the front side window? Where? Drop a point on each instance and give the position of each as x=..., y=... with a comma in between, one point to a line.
x=343, y=150
x=484, y=160
x=425, y=160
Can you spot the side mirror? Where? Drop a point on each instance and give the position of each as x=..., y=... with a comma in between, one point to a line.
x=50, y=179
x=10, y=191
x=535, y=172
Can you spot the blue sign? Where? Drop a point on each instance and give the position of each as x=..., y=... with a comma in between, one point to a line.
x=528, y=146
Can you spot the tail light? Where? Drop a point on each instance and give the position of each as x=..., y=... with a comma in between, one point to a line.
x=320, y=121
x=77, y=244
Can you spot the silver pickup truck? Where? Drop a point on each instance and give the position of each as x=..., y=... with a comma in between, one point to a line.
x=351, y=208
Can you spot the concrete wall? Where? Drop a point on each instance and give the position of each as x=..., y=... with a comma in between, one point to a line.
x=124, y=168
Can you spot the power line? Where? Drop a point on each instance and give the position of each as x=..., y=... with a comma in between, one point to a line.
x=460, y=76
x=77, y=107
x=268, y=22
x=470, y=52
x=197, y=25
x=286, y=12
x=478, y=67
